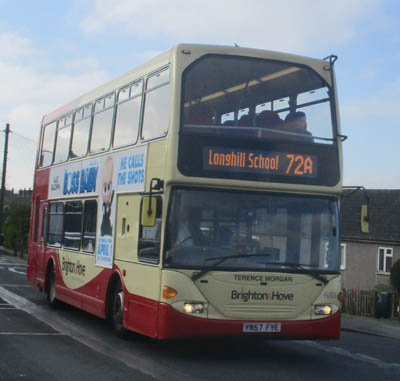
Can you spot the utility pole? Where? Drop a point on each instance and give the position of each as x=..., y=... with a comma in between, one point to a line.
x=3, y=178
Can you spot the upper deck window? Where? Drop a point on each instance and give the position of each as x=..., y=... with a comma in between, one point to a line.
x=63, y=139
x=80, y=135
x=259, y=99
x=156, y=109
x=127, y=115
x=102, y=124
x=46, y=154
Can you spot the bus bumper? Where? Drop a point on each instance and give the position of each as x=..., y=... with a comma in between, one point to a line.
x=174, y=324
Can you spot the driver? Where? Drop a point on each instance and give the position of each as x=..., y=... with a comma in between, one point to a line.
x=188, y=232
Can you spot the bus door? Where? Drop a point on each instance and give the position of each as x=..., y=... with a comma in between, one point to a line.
x=34, y=242
x=41, y=249
x=137, y=255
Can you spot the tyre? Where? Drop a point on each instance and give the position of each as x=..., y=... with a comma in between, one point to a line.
x=51, y=289
x=117, y=310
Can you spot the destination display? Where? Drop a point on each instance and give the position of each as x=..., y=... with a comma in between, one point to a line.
x=257, y=161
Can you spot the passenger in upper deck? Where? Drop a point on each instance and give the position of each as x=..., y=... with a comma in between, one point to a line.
x=269, y=124
x=297, y=123
x=245, y=121
x=269, y=119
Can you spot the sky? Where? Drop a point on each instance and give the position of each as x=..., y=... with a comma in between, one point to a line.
x=51, y=52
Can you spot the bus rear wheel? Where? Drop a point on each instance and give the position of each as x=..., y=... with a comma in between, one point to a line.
x=117, y=310
x=51, y=289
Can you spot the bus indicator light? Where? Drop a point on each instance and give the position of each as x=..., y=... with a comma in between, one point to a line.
x=169, y=292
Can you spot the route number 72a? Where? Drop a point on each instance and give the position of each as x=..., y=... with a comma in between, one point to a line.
x=299, y=165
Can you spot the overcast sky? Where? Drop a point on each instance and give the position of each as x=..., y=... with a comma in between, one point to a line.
x=54, y=51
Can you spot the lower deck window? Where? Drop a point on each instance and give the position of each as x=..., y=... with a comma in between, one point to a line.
x=72, y=225
x=150, y=237
x=89, y=226
x=56, y=224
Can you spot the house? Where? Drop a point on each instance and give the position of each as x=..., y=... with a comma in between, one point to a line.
x=23, y=196
x=370, y=236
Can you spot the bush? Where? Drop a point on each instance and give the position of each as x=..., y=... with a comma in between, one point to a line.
x=395, y=276
x=16, y=227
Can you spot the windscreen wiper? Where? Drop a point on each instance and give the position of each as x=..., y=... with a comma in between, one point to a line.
x=296, y=266
x=301, y=267
x=219, y=260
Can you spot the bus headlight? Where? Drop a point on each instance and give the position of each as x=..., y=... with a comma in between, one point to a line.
x=323, y=310
x=193, y=308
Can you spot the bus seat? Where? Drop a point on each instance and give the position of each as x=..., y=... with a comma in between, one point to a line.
x=199, y=113
x=245, y=121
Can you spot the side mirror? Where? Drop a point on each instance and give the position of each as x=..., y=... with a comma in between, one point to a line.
x=149, y=211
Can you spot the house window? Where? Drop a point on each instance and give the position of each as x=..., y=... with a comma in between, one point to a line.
x=385, y=257
x=342, y=256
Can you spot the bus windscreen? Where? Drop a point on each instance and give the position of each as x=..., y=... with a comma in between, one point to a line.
x=252, y=231
x=256, y=98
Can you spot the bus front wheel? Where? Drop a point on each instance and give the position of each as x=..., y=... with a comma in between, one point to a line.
x=117, y=308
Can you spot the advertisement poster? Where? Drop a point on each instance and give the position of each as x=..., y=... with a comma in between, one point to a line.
x=103, y=177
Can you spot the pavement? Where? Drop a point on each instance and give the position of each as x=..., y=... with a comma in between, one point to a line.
x=350, y=323
x=371, y=326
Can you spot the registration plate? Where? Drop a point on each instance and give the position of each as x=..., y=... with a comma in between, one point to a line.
x=261, y=327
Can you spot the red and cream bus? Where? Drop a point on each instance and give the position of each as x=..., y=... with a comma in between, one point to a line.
x=196, y=195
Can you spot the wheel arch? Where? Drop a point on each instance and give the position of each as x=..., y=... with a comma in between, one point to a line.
x=114, y=280
x=50, y=266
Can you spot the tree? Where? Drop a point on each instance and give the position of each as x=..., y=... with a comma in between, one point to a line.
x=395, y=276
x=16, y=227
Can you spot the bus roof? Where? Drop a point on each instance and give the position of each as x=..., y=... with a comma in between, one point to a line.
x=165, y=58
x=136, y=73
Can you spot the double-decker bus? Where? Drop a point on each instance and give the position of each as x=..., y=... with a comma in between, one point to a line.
x=196, y=195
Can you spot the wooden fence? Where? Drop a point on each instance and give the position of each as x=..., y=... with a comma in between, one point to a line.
x=367, y=303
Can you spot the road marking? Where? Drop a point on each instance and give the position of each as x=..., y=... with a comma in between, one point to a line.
x=66, y=328
x=30, y=334
x=8, y=262
x=17, y=270
x=353, y=356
